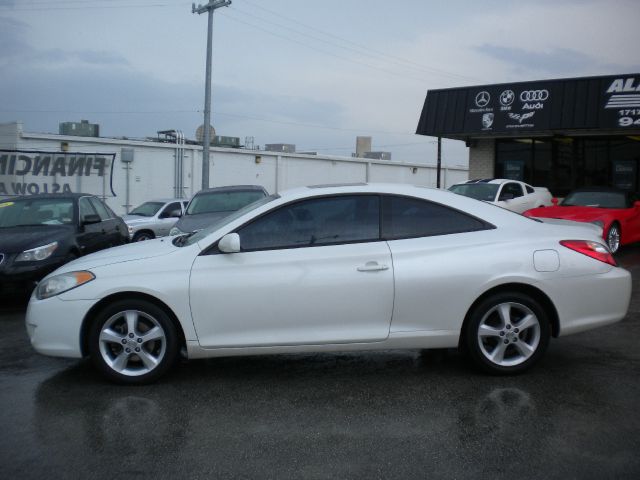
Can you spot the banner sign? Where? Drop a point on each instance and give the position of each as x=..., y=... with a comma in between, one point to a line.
x=29, y=173
x=545, y=107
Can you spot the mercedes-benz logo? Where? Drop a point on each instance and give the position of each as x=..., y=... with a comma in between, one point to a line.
x=482, y=99
x=507, y=97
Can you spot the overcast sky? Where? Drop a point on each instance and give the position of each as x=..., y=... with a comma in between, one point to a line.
x=312, y=73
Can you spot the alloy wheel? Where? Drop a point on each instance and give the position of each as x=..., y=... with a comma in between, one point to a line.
x=132, y=343
x=508, y=334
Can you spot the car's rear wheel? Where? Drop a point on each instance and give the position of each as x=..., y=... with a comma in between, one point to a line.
x=507, y=333
x=613, y=237
x=133, y=342
x=142, y=236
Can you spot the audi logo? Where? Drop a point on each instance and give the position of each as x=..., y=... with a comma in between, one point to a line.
x=534, y=96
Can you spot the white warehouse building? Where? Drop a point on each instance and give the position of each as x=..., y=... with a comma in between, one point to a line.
x=128, y=172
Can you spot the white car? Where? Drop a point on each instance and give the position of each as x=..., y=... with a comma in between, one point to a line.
x=510, y=194
x=154, y=218
x=331, y=268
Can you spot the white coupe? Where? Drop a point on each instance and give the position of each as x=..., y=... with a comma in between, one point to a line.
x=330, y=268
x=510, y=194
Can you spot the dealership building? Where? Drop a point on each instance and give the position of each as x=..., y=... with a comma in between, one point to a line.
x=561, y=134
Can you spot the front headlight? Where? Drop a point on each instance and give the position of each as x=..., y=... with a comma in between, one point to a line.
x=38, y=253
x=62, y=283
x=176, y=231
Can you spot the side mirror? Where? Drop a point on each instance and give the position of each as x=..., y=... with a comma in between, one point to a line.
x=636, y=204
x=555, y=201
x=230, y=243
x=90, y=219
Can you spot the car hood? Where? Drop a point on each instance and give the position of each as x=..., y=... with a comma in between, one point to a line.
x=125, y=253
x=191, y=223
x=19, y=239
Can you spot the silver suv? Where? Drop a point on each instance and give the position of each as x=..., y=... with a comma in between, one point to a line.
x=154, y=218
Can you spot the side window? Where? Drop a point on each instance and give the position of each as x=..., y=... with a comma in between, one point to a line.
x=529, y=189
x=319, y=221
x=85, y=208
x=404, y=217
x=100, y=208
x=166, y=213
x=510, y=190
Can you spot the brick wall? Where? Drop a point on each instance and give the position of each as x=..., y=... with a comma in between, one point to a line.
x=481, y=157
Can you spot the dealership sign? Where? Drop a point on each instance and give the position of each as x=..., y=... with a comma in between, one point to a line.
x=605, y=103
x=30, y=173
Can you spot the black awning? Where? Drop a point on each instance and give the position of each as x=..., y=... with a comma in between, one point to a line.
x=545, y=107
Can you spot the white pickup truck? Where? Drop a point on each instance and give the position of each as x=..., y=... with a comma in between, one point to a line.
x=510, y=194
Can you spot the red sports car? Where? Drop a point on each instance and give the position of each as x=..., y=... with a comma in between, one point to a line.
x=615, y=211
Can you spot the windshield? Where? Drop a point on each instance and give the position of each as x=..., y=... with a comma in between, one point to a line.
x=212, y=202
x=199, y=235
x=479, y=191
x=37, y=211
x=595, y=199
x=147, y=209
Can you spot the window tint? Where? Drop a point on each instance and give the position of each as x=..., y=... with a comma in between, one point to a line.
x=319, y=221
x=529, y=189
x=513, y=189
x=100, y=208
x=170, y=208
x=221, y=201
x=85, y=208
x=409, y=218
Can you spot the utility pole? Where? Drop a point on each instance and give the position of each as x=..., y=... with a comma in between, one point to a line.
x=209, y=7
x=439, y=161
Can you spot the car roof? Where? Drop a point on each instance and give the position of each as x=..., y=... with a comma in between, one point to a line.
x=166, y=200
x=490, y=180
x=54, y=195
x=600, y=189
x=233, y=188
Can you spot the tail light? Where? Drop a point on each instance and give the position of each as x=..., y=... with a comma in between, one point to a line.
x=590, y=249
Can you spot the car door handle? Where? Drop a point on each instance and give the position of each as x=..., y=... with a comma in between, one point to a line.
x=372, y=267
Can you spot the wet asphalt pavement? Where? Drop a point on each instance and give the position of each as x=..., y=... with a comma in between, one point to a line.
x=391, y=414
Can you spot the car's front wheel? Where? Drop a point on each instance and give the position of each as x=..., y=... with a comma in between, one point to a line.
x=133, y=342
x=507, y=333
x=613, y=237
x=143, y=236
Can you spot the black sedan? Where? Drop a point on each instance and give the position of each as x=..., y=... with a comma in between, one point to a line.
x=38, y=233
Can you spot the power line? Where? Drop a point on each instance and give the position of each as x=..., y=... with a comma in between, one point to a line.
x=362, y=47
x=46, y=6
x=350, y=60
x=366, y=51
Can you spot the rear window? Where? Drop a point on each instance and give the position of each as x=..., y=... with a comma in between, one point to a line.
x=213, y=202
x=410, y=218
x=480, y=191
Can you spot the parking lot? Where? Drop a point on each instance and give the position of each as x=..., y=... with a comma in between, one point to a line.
x=362, y=415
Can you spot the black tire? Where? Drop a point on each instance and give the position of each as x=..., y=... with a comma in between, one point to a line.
x=506, y=347
x=142, y=236
x=154, y=337
x=613, y=237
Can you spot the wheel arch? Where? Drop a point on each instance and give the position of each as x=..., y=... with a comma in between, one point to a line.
x=88, y=318
x=148, y=231
x=535, y=293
